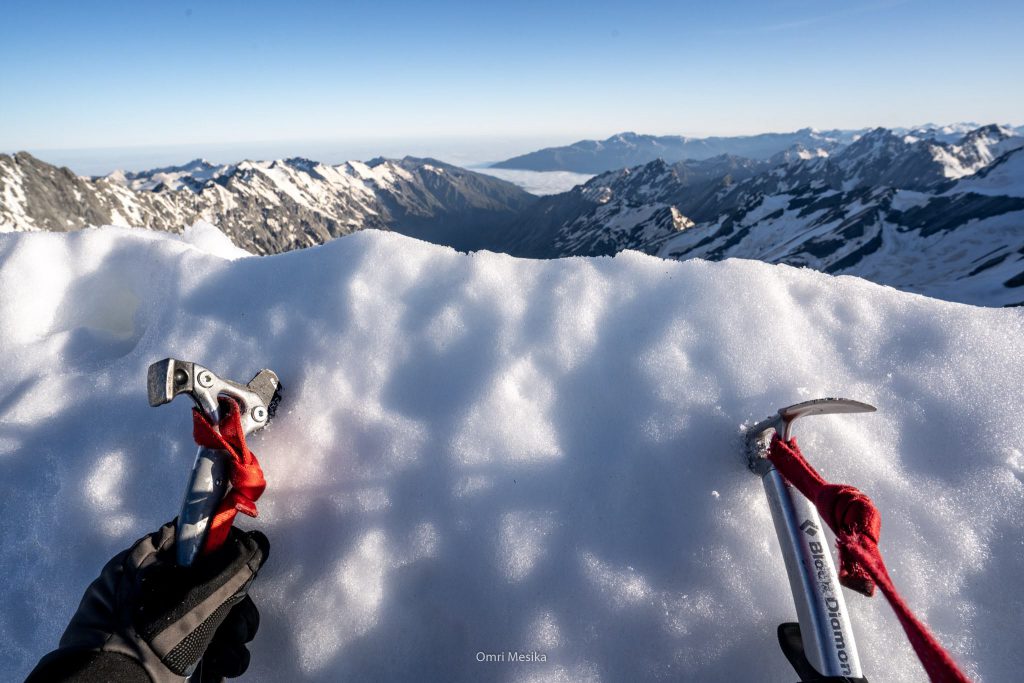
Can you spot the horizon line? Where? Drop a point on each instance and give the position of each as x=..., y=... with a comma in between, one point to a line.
x=487, y=137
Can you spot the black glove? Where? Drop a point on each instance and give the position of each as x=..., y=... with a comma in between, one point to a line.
x=147, y=619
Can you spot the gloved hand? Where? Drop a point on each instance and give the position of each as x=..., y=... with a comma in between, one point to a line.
x=145, y=618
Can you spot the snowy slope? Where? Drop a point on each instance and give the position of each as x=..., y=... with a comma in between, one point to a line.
x=267, y=206
x=976, y=150
x=613, y=211
x=633, y=208
x=1005, y=178
x=482, y=454
x=192, y=176
x=615, y=226
x=962, y=241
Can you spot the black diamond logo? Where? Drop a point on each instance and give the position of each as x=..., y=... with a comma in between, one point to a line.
x=809, y=527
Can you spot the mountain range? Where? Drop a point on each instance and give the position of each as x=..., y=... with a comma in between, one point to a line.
x=957, y=239
x=630, y=149
x=268, y=206
x=943, y=219
x=935, y=210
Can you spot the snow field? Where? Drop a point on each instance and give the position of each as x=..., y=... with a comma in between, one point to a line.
x=478, y=454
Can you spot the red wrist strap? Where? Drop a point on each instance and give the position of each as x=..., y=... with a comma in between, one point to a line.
x=856, y=523
x=245, y=475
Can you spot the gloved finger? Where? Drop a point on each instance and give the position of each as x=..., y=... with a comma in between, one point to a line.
x=240, y=625
x=263, y=544
x=225, y=662
x=249, y=547
x=227, y=655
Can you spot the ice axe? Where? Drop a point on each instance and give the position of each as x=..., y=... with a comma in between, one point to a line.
x=821, y=647
x=208, y=482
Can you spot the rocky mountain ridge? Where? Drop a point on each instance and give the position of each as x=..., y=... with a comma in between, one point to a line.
x=268, y=206
x=940, y=218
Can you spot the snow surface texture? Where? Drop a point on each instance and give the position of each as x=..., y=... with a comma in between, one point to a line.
x=484, y=454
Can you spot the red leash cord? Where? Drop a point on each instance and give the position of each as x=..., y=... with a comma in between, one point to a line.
x=857, y=523
x=246, y=477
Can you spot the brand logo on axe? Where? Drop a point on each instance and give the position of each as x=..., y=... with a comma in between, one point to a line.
x=809, y=527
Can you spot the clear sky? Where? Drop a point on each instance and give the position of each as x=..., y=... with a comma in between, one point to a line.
x=118, y=74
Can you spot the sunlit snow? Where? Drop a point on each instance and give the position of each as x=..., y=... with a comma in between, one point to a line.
x=479, y=454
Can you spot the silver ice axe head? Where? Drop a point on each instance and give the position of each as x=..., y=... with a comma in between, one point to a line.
x=257, y=402
x=759, y=436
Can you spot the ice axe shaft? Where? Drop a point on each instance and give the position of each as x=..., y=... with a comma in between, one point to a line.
x=208, y=482
x=825, y=628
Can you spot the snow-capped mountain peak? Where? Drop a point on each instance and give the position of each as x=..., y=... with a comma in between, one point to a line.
x=193, y=176
x=975, y=150
x=942, y=133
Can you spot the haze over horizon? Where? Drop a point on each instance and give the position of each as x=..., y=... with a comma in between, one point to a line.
x=470, y=152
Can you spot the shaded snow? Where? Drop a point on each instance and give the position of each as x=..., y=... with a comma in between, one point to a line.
x=1005, y=177
x=480, y=454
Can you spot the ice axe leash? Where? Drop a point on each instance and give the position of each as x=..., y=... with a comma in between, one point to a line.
x=226, y=477
x=821, y=647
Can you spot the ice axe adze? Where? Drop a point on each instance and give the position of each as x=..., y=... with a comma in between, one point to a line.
x=208, y=483
x=821, y=647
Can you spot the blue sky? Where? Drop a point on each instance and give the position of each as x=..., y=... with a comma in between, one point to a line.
x=119, y=74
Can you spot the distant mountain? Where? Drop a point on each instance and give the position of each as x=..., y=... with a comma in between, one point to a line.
x=914, y=212
x=881, y=157
x=943, y=133
x=630, y=149
x=962, y=240
x=626, y=209
x=195, y=175
x=268, y=206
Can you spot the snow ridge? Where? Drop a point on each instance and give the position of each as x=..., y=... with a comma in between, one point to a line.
x=478, y=453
